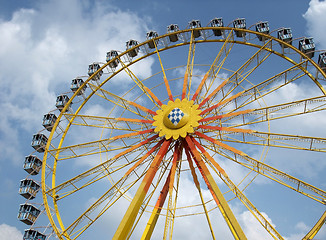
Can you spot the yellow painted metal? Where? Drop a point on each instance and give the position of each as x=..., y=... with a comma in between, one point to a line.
x=212, y=72
x=265, y=113
x=130, y=216
x=171, y=208
x=189, y=66
x=283, y=141
x=274, y=174
x=167, y=86
x=197, y=184
x=138, y=82
x=313, y=232
x=238, y=193
x=167, y=188
x=156, y=211
x=166, y=128
x=221, y=202
x=98, y=88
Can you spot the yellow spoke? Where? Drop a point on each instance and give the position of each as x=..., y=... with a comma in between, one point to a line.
x=213, y=72
x=197, y=184
x=274, y=174
x=121, y=102
x=94, y=147
x=233, y=79
x=262, y=89
x=280, y=140
x=238, y=193
x=131, y=214
x=167, y=86
x=103, y=168
x=216, y=193
x=279, y=111
x=140, y=84
x=189, y=67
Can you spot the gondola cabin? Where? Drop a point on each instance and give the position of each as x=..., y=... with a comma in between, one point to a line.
x=171, y=29
x=285, y=34
x=31, y=234
x=28, y=213
x=217, y=22
x=239, y=23
x=28, y=188
x=32, y=164
x=307, y=46
x=39, y=142
x=109, y=58
x=48, y=121
x=93, y=68
x=262, y=27
x=194, y=24
x=131, y=44
x=76, y=84
x=61, y=102
x=322, y=61
x=151, y=35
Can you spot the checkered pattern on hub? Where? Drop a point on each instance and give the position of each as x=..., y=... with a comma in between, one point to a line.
x=175, y=116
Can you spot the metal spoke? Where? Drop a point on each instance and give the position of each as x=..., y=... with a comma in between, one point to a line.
x=273, y=174
x=238, y=193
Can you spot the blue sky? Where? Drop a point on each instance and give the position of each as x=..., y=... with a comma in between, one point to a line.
x=44, y=44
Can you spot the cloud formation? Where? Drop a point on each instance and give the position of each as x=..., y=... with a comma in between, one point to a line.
x=43, y=49
x=9, y=232
x=316, y=17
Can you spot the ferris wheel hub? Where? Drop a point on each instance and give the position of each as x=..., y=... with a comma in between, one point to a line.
x=177, y=119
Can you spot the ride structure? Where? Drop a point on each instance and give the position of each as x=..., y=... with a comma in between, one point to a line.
x=150, y=152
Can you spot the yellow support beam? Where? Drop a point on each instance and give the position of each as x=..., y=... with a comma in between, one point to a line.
x=312, y=233
x=133, y=209
x=217, y=194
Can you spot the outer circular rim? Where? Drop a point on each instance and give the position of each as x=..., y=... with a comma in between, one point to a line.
x=271, y=38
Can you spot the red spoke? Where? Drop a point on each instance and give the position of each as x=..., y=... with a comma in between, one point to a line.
x=144, y=157
x=220, y=103
x=200, y=86
x=132, y=134
x=141, y=108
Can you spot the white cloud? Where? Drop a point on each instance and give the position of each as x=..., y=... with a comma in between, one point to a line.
x=252, y=227
x=9, y=232
x=316, y=17
x=43, y=49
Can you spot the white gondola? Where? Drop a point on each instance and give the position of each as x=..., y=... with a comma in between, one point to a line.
x=194, y=24
x=132, y=44
x=28, y=213
x=240, y=23
x=322, y=61
x=262, y=27
x=61, y=101
x=111, y=55
x=32, y=164
x=31, y=234
x=28, y=188
x=48, y=121
x=93, y=68
x=76, y=84
x=217, y=22
x=152, y=35
x=307, y=46
x=39, y=142
x=173, y=28
x=285, y=34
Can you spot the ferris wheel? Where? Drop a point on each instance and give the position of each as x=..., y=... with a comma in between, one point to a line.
x=188, y=145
